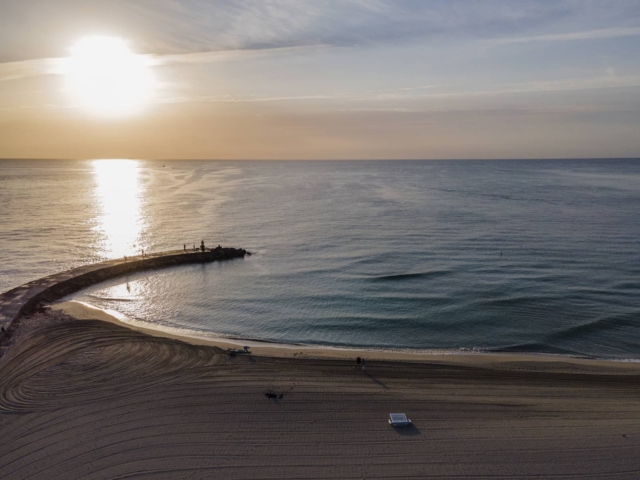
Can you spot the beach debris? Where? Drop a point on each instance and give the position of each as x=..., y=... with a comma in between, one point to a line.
x=272, y=394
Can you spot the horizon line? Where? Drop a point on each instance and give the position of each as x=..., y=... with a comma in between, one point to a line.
x=315, y=159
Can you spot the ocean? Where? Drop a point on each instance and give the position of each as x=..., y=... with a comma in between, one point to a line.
x=455, y=256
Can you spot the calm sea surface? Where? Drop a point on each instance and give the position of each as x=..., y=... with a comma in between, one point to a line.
x=535, y=256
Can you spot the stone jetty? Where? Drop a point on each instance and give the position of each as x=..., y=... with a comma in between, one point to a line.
x=28, y=297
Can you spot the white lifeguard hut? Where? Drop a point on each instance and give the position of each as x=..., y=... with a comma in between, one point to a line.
x=399, y=420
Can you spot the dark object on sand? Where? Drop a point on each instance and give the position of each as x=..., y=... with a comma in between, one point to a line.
x=233, y=351
x=272, y=394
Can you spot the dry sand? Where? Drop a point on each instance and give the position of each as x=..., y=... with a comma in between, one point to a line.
x=92, y=399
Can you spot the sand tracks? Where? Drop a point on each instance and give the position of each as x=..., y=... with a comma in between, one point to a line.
x=82, y=361
x=82, y=399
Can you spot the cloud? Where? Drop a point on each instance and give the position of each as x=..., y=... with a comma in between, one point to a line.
x=416, y=93
x=187, y=26
x=32, y=29
x=58, y=66
x=226, y=55
x=599, y=34
x=563, y=85
x=285, y=23
x=29, y=68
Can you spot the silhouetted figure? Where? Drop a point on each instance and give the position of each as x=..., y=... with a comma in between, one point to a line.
x=246, y=349
x=185, y=247
x=202, y=246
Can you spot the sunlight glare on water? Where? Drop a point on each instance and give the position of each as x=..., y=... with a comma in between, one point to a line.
x=518, y=256
x=118, y=193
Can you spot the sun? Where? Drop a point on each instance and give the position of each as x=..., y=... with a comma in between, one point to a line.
x=106, y=77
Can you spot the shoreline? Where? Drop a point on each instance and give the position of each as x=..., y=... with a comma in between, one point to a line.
x=97, y=399
x=493, y=360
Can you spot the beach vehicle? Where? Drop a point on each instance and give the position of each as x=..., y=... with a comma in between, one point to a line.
x=399, y=420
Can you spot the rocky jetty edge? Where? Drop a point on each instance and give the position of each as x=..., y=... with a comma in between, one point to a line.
x=27, y=298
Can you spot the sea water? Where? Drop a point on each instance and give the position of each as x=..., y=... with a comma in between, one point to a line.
x=532, y=256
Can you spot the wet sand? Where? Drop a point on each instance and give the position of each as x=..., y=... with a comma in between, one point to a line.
x=265, y=349
x=93, y=399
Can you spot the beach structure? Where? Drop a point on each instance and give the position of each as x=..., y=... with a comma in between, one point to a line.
x=399, y=420
x=28, y=297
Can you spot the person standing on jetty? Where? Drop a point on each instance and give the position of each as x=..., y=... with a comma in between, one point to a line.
x=185, y=247
x=202, y=245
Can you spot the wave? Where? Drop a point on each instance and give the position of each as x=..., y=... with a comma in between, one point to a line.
x=190, y=333
x=512, y=301
x=110, y=299
x=627, y=286
x=610, y=322
x=539, y=348
x=409, y=276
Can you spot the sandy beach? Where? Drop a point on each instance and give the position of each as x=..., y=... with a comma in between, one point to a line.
x=84, y=397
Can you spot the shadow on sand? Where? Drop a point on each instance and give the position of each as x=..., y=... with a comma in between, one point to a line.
x=376, y=380
x=409, y=431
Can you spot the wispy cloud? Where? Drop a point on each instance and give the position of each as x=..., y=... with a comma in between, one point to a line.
x=187, y=26
x=415, y=93
x=57, y=66
x=562, y=85
x=598, y=34
x=29, y=68
x=199, y=31
x=236, y=54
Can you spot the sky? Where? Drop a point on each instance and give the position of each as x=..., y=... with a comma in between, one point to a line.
x=331, y=79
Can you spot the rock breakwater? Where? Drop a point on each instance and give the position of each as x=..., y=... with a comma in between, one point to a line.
x=28, y=297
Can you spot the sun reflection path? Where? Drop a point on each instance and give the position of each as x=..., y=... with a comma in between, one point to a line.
x=119, y=194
